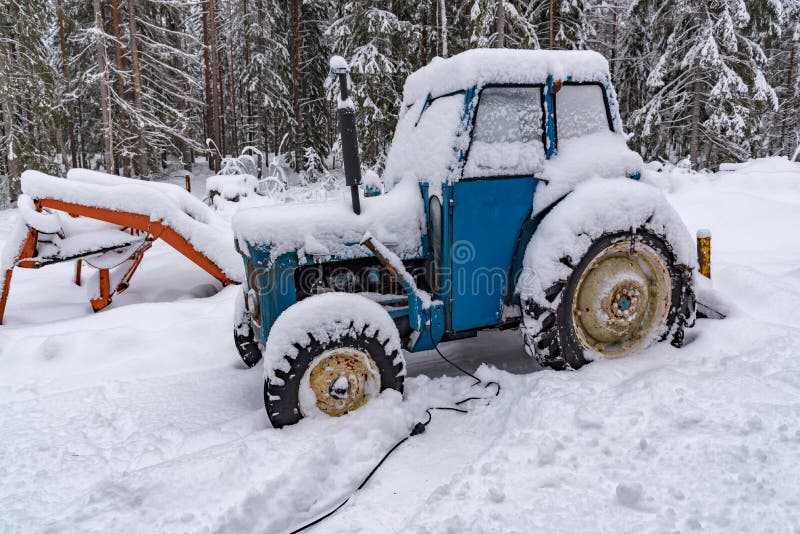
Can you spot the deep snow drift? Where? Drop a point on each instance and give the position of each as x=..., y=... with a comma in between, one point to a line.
x=142, y=418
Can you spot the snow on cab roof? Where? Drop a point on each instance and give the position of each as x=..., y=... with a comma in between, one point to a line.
x=499, y=65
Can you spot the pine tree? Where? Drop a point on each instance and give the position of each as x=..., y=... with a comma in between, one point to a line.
x=706, y=89
x=377, y=44
x=28, y=93
x=518, y=31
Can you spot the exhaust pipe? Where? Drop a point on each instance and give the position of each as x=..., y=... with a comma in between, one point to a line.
x=347, y=127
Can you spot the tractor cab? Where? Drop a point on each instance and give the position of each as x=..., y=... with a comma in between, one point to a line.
x=487, y=144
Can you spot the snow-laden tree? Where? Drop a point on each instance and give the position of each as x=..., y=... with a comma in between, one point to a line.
x=28, y=94
x=782, y=128
x=266, y=76
x=379, y=47
x=493, y=20
x=706, y=88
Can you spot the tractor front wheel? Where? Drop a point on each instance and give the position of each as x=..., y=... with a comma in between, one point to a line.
x=335, y=376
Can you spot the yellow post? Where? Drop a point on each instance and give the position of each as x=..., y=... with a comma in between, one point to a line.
x=188, y=183
x=704, y=251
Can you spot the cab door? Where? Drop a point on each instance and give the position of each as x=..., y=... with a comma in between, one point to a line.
x=492, y=200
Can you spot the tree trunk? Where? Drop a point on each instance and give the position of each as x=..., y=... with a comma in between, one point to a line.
x=423, y=45
x=262, y=113
x=13, y=167
x=183, y=105
x=141, y=148
x=216, y=85
x=102, y=81
x=62, y=40
x=501, y=24
x=551, y=16
x=119, y=61
x=61, y=147
x=443, y=17
x=697, y=87
x=232, y=81
x=613, y=54
x=248, y=122
x=294, y=47
x=787, y=105
x=208, y=78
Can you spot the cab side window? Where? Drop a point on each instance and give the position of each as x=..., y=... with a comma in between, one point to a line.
x=506, y=134
x=580, y=110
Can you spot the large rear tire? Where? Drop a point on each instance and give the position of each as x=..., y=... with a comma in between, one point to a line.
x=626, y=293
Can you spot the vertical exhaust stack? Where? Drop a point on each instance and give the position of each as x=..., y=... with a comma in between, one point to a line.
x=347, y=127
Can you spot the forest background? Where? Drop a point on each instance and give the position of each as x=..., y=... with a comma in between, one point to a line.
x=130, y=85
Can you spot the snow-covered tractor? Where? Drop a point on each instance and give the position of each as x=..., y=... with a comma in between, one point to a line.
x=512, y=202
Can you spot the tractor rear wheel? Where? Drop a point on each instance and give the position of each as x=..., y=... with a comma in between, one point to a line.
x=333, y=377
x=626, y=293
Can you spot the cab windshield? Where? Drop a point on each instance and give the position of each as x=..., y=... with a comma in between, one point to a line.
x=424, y=139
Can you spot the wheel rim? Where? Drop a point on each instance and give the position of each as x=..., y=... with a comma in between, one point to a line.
x=622, y=299
x=339, y=381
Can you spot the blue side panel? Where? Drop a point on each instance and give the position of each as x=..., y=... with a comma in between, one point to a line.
x=486, y=219
x=273, y=281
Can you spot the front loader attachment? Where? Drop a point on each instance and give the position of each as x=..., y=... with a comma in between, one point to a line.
x=71, y=220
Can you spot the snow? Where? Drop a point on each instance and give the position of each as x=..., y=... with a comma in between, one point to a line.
x=86, y=242
x=502, y=66
x=11, y=249
x=595, y=207
x=345, y=104
x=422, y=147
x=44, y=222
x=166, y=203
x=142, y=417
x=187, y=202
x=324, y=229
x=338, y=63
x=507, y=136
x=581, y=110
x=231, y=186
x=326, y=317
x=597, y=155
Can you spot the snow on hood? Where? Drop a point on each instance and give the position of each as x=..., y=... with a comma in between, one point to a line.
x=497, y=65
x=598, y=155
x=331, y=228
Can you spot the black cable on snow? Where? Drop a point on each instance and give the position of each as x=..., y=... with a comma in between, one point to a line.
x=417, y=429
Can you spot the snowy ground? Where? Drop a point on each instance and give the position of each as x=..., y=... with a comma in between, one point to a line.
x=141, y=418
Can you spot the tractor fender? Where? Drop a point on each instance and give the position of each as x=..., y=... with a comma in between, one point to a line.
x=593, y=208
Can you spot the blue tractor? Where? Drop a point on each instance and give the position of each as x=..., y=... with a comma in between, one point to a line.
x=511, y=201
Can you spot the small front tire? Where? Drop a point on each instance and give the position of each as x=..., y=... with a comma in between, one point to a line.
x=334, y=377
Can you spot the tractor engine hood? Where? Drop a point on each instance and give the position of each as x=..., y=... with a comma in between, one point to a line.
x=330, y=231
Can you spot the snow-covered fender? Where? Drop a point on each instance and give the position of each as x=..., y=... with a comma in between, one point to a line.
x=593, y=208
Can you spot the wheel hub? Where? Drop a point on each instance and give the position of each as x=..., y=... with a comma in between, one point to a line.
x=621, y=299
x=341, y=380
